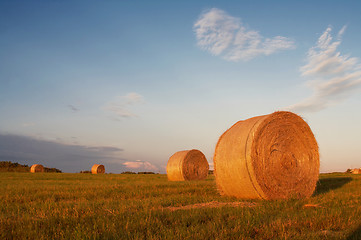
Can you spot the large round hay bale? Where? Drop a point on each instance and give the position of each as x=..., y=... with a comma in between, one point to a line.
x=268, y=157
x=97, y=168
x=356, y=171
x=187, y=165
x=36, y=168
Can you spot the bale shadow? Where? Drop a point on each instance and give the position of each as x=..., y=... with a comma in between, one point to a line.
x=325, y=185
x=355, y=235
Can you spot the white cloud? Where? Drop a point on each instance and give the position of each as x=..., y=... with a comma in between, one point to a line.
x=140, y=166
x=120, y=106
x=333, y=77
x=211, y=166
x=221, y=34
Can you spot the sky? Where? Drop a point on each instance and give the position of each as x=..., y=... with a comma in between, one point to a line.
x=129, y=83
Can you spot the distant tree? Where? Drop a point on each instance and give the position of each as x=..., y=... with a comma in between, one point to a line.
x=210, y=172
x=145, y=172
x=349, y=170
x=86, y=171
x=55, y=170
x=128, y=172
x=7, y=166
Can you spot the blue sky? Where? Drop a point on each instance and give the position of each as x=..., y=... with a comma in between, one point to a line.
x=128, y=83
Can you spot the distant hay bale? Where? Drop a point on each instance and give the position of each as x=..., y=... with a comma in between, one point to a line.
x=187, y=165
x=36, y=168
x=97, y=168
x=267, y=157
x=356, y=171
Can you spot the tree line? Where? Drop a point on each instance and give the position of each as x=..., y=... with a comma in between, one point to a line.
x=8, y=166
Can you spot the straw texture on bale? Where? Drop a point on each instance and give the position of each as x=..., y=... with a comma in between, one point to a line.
x=356, y=171
x=187, y=165
x=97, y=168
x=36, y=168
x=267, y=157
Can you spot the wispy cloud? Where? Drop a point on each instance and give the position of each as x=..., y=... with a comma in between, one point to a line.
x=333, y=77
x=133, y=98
x=73, y=108
x=141, y=166
x=28, y=124
x=120, y=106
x=226, y=36
x=106, y=149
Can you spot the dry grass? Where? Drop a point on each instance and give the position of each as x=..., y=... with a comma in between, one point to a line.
x=133, y=206
x=213, y=204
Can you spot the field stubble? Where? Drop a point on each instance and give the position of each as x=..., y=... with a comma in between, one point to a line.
x=121, y=206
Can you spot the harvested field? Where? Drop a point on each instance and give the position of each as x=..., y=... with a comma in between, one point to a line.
x=121, y=206
x=213, y=204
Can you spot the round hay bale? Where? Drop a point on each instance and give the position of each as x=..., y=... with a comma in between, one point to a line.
x=356, y=171
x=267, y=157
x=36, y=168
x=187, y=165
x=97, y=168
